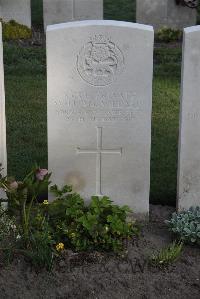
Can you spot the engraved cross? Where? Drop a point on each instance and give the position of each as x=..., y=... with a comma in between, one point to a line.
x=99, y=151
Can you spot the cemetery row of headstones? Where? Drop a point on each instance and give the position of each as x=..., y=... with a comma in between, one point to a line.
x=170, y=13
x=54, y=11
x=157, y=13
x=99, y=111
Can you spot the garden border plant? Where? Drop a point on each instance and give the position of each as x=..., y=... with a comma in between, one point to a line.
x=46, y=228
x=14, y=31
x=186, y=225
x=167, y=255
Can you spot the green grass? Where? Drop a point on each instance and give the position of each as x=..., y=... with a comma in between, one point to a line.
x=167, y=256
x=25, y=80
x=25, y=83
x=122, y=10
x=37, y=12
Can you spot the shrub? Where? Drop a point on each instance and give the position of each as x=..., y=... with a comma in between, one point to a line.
x=167, y=255
x=101, y=225
x=12, y=30
x=167, y=35
x=46, y=229
x=186, y=225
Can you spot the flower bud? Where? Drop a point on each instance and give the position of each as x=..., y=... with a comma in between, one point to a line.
x=41, y=173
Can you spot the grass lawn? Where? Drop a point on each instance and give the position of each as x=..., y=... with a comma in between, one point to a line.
x=25, y=80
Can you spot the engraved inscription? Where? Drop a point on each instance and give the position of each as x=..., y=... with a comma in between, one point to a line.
x=100, y=61
x=193, y=116
x=102, y=106
x=99, y=151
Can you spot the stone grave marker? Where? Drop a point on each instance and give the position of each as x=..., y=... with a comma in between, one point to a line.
x=159, y=13
x=189, y=138
x=3, y=155
x=99, y=77
x=61, y=11
x=18, y=10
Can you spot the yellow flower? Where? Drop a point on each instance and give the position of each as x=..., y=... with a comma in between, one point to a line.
x=60, y=247
x=45, y=202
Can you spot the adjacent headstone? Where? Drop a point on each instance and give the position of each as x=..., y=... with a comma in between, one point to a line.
x=62, y=11
x=18, y=10
x=88, y=9
x=159, y=13
x=99, y=109
x=189, y=140
x=3, y=155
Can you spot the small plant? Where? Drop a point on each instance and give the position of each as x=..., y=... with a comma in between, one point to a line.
x=167, y=35
x=101, y=225
x=22, y=196
x=12, y=30
x=186, y=225
x=40, y=249
x=9, y=235
x=167, y=255
x=46, y=229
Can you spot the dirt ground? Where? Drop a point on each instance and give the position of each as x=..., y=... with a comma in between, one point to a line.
x=103, y=276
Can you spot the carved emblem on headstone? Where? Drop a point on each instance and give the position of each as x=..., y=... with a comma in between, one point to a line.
x=100, y=61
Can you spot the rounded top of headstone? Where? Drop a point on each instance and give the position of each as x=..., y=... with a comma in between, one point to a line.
x=192, y=29
x=99, y=23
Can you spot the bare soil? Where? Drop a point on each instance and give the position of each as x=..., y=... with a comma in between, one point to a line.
x=104, y=276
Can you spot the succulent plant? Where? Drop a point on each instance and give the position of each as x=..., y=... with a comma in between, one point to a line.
x=186, y=225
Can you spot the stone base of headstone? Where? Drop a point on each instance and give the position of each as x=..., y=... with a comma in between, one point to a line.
x=160, y=13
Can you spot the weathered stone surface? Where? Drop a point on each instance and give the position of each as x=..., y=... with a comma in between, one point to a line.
x=99, y=109
x=88, y=9
x=3, y=155
x=189, y=143
x=62, y=11
x=57, y=11
x=18, y=10
x=159, y=13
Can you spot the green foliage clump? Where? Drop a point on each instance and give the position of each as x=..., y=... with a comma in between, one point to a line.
x=45, y=229
x=167, y=255
x=33, y=239
x=166, y=34
x=12, y=30
x=41, y=249
x=186, y=225
x=100, y=225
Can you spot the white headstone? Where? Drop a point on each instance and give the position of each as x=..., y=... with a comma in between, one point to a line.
x=3, y=155
x=18, y=10
x=62, y=11
x=99, y=109
x=189, y=140
x=88, y=9
x=159, y=13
